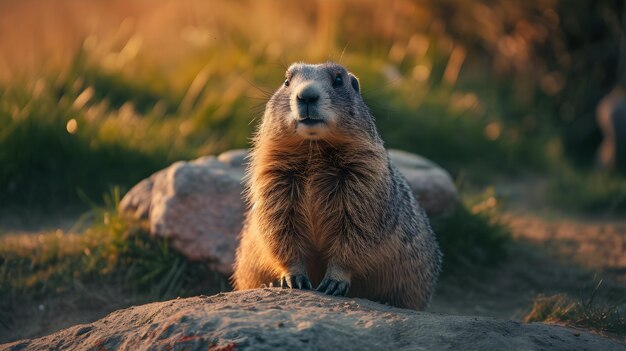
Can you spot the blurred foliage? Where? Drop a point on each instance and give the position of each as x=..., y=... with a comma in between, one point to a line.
x=481, y=87
x=43, y=162
x=598, y=193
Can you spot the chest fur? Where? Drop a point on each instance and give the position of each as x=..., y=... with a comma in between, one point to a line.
x=321, y=193
x=339, y=191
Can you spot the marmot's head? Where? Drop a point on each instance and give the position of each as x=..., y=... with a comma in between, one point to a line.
x=319, y=102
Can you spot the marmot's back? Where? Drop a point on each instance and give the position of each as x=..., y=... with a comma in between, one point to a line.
x=326, y=207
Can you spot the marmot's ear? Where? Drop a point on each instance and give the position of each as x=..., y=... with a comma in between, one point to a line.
x=354, y=81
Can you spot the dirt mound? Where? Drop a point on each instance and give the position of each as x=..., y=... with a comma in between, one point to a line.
x=269, y=319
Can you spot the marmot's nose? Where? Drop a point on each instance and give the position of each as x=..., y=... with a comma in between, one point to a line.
x=308, y=95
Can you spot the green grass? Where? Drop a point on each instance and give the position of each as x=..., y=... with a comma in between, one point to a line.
x=110, y=250
x=127, y=128
x=44, y=164
x=472, y=236
x=450, y=125
x=117, y=89
x=456, y=140
x=140, y=116
x=142, y=101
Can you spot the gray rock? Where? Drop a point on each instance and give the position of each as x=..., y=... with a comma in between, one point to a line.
x=234, y=158
x=279, y=319
x=136, y=203
x=431, y=184
x=198, y=206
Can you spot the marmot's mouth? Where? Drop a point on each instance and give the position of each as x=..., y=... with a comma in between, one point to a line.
x=310, y=121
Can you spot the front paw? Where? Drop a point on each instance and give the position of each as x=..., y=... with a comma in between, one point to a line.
x=297, y=281
x=334, y=287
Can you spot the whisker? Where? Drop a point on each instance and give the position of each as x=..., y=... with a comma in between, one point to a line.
x=265, y=92
x=264, y=98
x=343, y=52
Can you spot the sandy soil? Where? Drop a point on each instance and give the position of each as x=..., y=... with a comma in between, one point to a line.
x=595, y=244
x=271, y=319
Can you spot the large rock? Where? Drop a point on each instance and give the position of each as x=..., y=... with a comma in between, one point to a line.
x=198, y=204
x=431, y=184
x=277, y=319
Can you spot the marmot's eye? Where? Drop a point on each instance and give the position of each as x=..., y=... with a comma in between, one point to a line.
x=338, y=81
x=287, y=82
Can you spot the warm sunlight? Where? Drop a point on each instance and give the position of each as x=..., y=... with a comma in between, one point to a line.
x=398, y=174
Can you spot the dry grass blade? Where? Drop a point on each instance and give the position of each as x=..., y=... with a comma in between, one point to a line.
x=565, y=310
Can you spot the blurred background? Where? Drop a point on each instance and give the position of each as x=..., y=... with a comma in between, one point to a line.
x=101, y=93
x=523, y=102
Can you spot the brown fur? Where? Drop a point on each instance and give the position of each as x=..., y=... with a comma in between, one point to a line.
x=325, y=208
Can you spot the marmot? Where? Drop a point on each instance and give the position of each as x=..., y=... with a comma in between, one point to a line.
x=326, y=208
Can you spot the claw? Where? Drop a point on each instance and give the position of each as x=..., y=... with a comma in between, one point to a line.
x=303, y=282
x=342, y=289
x=323, y=285
x=298, y=281
x=334, y=287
